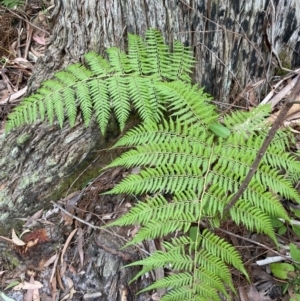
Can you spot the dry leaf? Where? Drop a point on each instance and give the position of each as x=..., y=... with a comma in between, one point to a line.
x=72, y=270
x=31, y=286
x=70, y=282
x=6, y=239
x=67, y=244
x=53, y=288
x=254, y=295
x=32, y=294
x=32, y=220
x=50, y=260
x=155, y=297
x=16, y=240
x=80, y=246
x=18, y=287
x=243, y=295
x=40, y=40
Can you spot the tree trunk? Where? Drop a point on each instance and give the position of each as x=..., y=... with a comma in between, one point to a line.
x=236, y=43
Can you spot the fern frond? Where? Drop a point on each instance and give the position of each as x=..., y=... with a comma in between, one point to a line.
x=206, y=274
x=125, y=80
x=199, y=172
x=143, y=101
x=69, y=96
x=246, y=123
x=99, y=66
x=163, y=132
x=220, y=248
x=85, y=102
x=102, y=109
x=138, y=56
x=187, y=104
x=168, y=179
x=253, y=218
x=119, y=61
x=118, y=91
x=183, y=63
x=80, y=72
x=160, y=228
x=190, y=170
x=158, y=58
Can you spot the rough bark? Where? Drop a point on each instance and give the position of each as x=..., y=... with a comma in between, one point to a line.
x=236, y=43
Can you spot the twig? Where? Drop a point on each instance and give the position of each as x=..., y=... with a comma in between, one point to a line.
x=255, y=242
x=294, y=96
x=28, y=22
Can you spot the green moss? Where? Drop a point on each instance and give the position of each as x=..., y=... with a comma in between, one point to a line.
x=90, y=168
x=76, y=179
x=86, y=171
x=22, y=139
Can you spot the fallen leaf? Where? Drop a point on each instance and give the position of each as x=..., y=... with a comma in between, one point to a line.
x=16, y=240
x=80, y=246
x=50, y=260
x=32, y=220
x=31, y=286
x=67, y=244
x=40, y=40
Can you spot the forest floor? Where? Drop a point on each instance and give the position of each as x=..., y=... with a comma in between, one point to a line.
x=47, y=261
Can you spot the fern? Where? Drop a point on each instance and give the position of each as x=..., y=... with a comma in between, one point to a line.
x=139, y=79
x=189, y=167
x=199, y=171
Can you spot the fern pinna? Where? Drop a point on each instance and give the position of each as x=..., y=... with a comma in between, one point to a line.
x=191, y=165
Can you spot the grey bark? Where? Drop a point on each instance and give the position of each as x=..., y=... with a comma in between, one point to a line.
x=236, y=43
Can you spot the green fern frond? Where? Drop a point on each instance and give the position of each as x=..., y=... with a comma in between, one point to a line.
x=124, y=81
x=200, y=172
x=248, y=122
x=253, y=218
x=102, y=109
x=119, y=94
x=85, y=102
x=203, y=260
x=160, y=228
x=158, y=57
x=164, y=132
x=119, y=61
x=143, y=100
x=138, y=55
x=220, y=248
x=69, y=95
x=188, y=166
x=187, y=102
x=98, y=65
x=183, y=62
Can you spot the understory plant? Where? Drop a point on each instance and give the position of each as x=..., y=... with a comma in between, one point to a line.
x=191, y=160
